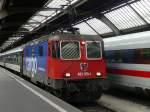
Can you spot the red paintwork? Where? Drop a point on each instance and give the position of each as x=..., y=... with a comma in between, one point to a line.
x=56, y=68
x=136, y=73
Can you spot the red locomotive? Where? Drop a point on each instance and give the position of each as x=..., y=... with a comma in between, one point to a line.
x=71, y=66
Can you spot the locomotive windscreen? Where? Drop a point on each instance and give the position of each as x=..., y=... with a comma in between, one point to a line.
x=93, y=50
x=70, y=50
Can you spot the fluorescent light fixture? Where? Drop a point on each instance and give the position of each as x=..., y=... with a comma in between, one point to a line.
x=57, y=3
x=28, y=27
x=46, y=13
x=14, y=38
x=9, y=41
x=39, y=18
x=32, y=20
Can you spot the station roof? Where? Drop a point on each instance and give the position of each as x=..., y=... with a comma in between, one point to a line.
x=22, y=20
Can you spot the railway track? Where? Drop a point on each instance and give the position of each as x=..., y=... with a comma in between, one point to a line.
x=117, y=102
x=123, y=103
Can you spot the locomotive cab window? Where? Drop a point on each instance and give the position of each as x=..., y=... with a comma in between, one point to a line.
x=56, y=50
x=70, y=50
x=93, y=50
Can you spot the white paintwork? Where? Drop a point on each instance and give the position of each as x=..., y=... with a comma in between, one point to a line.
x=130, y=41
x=141, y=67
x=13, y=66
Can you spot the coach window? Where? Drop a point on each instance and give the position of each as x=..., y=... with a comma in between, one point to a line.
x=41, y=51
x=118, y=56
x=110, y=56
x=13, y=57
x=16, y=57
x=9, y=59
x=146, y=53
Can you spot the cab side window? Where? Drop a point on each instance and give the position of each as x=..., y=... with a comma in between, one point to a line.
x=56, y=50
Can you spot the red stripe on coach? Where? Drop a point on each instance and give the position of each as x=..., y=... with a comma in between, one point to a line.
x=136, y=73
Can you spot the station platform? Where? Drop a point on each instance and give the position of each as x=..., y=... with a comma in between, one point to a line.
x=18, y=95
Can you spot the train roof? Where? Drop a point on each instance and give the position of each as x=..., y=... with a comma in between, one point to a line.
x=66, y=37
x=130, y=41
x=75, y=37
x=18, y=49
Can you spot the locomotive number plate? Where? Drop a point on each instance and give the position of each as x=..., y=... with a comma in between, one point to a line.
x=81, y=74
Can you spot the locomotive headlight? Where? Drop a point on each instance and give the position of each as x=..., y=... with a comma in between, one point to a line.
x=98, y=74
x=83, y=43
x=67, y=75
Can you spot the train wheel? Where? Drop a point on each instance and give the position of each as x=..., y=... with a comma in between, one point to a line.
x=57, y=93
